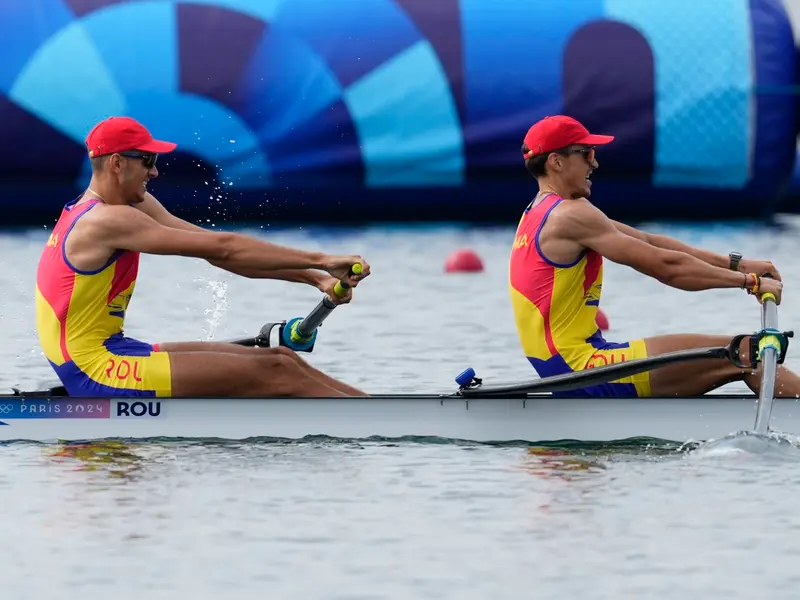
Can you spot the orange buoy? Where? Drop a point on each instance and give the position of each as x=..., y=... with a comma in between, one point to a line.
x=602, y=320
x=463, y=261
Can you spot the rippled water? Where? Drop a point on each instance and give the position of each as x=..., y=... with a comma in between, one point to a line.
x=397, y=520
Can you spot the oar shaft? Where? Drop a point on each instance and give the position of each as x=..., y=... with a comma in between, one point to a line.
x=300, y=334
x=769, y=351
x=315, y=318
x=587, y=377
x=307, y=326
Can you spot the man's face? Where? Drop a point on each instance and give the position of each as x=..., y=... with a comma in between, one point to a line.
x=136, y=169
x=577, y=163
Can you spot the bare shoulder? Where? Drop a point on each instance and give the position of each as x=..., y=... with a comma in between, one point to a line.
x=104, y=219
x=96, y=235
x=121, y=228
x=583, y=223
x=571, y=219
x=562, y=238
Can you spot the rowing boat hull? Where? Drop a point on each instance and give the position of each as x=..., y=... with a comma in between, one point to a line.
x=533, y=419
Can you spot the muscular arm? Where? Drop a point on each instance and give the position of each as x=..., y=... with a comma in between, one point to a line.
x=124, y=227
x=156, y=210
x=668, y=243
x=581, y=222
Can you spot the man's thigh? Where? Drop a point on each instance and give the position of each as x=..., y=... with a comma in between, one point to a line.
x=260, y=372
x=219, y=347
x=694, y=377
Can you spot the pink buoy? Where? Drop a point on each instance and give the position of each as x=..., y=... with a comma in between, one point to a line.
x=602, y=320
x=463, y=261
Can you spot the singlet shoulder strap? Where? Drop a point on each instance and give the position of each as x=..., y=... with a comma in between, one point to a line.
x=545, y=203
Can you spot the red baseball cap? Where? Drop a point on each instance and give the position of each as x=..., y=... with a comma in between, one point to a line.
x=559, y=131
x=121, y=134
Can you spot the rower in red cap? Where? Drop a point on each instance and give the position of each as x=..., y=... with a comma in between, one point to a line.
x=88, y=270
x=556, y=277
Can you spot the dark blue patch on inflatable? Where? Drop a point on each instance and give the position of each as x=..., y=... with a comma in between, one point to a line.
x=215, y=46
x=601, y=95
x=40, y=152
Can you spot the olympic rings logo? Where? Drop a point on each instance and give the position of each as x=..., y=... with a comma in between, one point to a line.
x=6, y=408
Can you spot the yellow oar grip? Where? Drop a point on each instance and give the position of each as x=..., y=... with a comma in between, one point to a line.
x=340, y=289
x=768, y=296
x=294, y=335
x=769, y=341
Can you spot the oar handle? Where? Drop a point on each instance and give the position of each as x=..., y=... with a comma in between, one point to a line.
x=299, y=334
x=341, y=287
x=767, y=296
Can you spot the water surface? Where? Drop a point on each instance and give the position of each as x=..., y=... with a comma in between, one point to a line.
x=347, y=520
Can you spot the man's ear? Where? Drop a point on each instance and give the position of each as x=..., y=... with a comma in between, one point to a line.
x=555, y=162
x=113, y=163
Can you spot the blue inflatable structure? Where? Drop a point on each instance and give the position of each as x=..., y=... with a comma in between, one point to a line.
x=401, y=109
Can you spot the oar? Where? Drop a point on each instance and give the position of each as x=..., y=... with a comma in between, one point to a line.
x=299, y=333
x=768, y=346
x=769, y=351
x=472, y=386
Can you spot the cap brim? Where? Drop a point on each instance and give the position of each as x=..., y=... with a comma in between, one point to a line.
x=157, y=147
x=596, y=140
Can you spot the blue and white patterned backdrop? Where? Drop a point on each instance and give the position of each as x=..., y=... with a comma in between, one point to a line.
x=375, y=106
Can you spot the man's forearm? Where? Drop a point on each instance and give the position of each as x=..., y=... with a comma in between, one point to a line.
x=668, y=243
x=309, y=276
x=686, y=272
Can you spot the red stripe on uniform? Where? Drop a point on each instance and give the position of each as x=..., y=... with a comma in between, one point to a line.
x=62, y=318
x=125, y=272
x=593, y=263
x=544, y=305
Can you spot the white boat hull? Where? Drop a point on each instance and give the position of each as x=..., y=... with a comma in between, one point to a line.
x=535, y=419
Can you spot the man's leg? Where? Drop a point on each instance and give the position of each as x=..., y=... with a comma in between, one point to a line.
x=223, y=347
x=701, y=376
x=221, y=374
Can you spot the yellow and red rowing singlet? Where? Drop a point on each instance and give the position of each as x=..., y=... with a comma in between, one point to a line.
x=555, y=307
x=80, y=317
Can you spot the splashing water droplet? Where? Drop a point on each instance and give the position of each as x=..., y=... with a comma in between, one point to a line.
x=219, y=295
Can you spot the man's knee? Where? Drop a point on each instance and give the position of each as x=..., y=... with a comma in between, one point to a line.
x=281, y=372
x=724, y=369
x=289, y=354
x=283, y=351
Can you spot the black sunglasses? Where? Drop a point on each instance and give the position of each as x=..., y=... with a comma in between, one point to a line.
x=148, y=159
x=586, y=151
